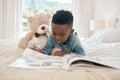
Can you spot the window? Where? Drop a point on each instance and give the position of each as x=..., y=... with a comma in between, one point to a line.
x=32, y=7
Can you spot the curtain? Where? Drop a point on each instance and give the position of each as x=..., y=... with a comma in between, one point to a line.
x=83, y=13
x=10, y=20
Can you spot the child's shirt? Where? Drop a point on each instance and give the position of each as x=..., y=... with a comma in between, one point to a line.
x=72, y=45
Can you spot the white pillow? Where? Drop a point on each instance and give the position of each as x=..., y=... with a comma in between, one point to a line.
x=107, y=35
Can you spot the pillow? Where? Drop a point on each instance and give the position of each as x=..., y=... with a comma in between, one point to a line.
x=107, y=35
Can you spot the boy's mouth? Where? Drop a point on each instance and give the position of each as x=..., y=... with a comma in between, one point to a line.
x=58, y=42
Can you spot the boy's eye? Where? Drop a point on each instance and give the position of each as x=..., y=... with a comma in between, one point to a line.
x=62, y=34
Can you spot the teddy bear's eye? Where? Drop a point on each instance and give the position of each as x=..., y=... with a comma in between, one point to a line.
x=43, y=27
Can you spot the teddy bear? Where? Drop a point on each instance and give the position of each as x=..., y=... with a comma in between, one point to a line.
x=34, y=22
x=40, y=37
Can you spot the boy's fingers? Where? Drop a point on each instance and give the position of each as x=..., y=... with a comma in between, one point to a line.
x=34, y=48
x=58, y=53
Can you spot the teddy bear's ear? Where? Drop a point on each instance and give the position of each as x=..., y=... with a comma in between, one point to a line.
x=30, y=19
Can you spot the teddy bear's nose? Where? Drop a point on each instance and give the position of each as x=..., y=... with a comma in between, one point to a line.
x=43, y=27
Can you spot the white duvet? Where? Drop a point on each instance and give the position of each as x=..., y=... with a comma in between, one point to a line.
x=106, y=51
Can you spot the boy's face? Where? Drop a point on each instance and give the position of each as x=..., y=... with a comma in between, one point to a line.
x=61, y=33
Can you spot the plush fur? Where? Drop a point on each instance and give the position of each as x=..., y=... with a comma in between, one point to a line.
x=34, y=22
x=40, y=37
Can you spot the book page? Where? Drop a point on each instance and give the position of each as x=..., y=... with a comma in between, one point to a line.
x=70, y=58
x=34, y=60
x=88, y=60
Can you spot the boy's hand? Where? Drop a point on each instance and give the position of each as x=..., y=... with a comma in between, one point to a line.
x=60, y=53
x=36, y=49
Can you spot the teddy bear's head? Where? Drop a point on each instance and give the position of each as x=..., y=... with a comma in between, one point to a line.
x=37, y=20
x=34, y=23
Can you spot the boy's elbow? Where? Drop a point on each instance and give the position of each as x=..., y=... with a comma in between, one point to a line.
x=83, y=54
x=80, y=53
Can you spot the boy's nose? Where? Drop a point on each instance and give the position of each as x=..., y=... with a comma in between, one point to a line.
x=57, y=38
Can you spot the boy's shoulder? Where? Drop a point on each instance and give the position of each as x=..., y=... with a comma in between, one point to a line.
x=74, y=36
x=51, y=38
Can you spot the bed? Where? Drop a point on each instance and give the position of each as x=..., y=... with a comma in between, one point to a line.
x=9, y=52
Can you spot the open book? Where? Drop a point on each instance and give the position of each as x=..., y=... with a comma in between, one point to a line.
x=35, y=60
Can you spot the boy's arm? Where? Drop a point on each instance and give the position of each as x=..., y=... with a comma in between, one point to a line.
x=49, y=46
x=79, y=50
x=77, y=47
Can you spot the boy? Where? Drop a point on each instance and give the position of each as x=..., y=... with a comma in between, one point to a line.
x=62, y=36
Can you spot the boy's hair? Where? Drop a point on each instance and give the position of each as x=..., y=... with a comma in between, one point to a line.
x=63, y=17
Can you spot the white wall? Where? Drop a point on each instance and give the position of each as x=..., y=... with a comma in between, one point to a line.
x=83, y=12
x=86, y=10
x=107, y=10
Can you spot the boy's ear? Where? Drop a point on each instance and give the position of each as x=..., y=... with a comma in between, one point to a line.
x=72, y=31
